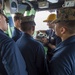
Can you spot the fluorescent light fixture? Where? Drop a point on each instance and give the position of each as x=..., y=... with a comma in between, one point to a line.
x=53, y=1
x=43, y=4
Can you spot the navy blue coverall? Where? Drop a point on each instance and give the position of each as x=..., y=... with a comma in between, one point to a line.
x=11, y=60
x=16, y=34
x=33, y=53
x=63, y=60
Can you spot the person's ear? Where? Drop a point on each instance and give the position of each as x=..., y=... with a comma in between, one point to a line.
x=62, y=30
x=0, y=17
x=33, y=28
x=17, y=20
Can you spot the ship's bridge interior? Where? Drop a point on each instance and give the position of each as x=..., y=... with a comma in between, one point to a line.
x=31, y=7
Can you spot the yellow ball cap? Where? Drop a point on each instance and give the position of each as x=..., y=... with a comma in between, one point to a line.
x=51, y=17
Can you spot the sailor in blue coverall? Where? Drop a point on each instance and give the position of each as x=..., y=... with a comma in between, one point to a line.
x=32, y=50
x=63, y=60
x=11, y=60
x=17, y=33
x=53, y=40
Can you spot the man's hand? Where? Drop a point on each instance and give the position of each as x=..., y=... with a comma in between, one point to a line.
x=44, y=40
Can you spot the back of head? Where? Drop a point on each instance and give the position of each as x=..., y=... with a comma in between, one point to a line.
x=27, y=23
x=18, y=16
x=50, y=18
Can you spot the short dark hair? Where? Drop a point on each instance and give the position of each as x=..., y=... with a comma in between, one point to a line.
x=70, y=25
x=26, y=26
x=18, y=16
